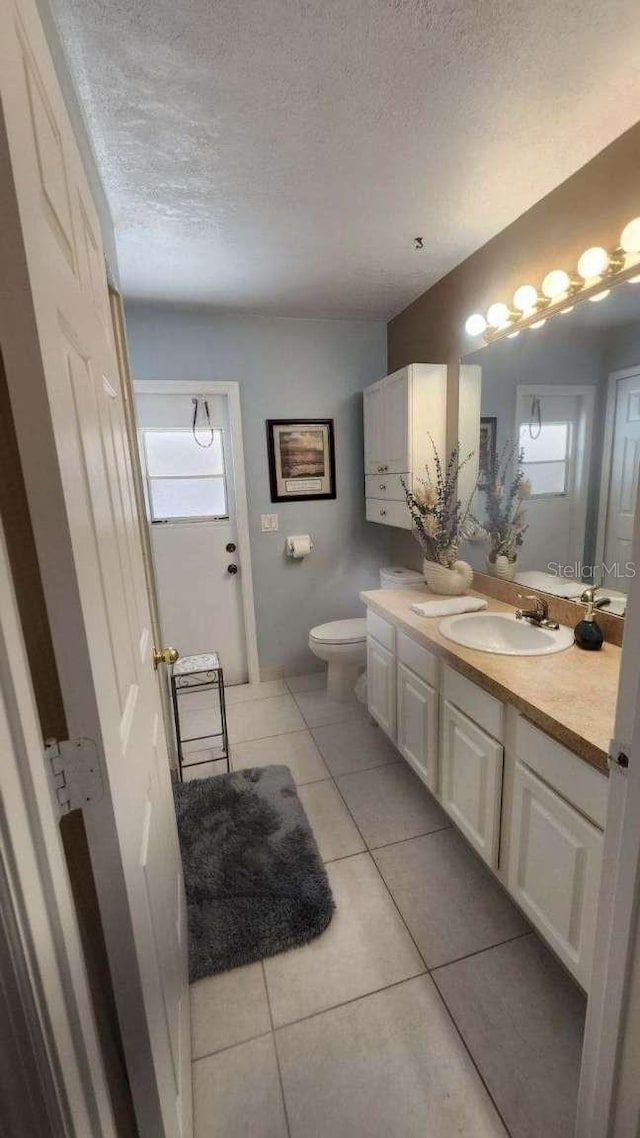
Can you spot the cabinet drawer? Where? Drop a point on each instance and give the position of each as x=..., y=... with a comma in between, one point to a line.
x=419, y=659
x=417, y=725
x=387, y=487
x=381, y=630
x=388, y=513
x=554, y=866
x=582, y=785
x=483, y=708
x=471, y=781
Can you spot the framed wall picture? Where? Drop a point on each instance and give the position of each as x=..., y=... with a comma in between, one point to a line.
x=487, y=449
x=301, y=459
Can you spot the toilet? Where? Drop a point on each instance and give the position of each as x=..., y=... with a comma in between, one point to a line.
x=342, y=644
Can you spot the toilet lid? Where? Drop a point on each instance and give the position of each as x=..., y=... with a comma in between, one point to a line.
x=340, y=631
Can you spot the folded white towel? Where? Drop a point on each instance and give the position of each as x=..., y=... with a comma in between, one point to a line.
x=449, y=606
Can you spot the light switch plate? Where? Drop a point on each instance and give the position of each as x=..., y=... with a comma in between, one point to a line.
x=269, y=523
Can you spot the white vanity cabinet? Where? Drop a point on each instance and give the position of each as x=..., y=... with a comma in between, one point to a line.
x=555, y=825
x=401, y=411
x=471, y=762
x=534, y=811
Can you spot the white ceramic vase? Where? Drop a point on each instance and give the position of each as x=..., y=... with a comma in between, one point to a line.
x=448, y=582
x=502, y=567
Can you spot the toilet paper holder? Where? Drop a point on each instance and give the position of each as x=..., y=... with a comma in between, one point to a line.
x=298, y=545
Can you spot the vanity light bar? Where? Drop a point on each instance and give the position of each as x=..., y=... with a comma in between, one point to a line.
x=531, y=307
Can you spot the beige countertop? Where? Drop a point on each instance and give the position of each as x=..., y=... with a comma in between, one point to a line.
x=571, y=695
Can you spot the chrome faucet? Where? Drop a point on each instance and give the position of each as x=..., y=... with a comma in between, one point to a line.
x=539, y=615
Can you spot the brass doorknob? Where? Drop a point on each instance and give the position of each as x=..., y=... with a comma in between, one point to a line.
x=165, y=656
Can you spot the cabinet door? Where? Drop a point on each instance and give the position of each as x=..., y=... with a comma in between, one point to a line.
x=554, y=864
x=417, y=726
x=372, y=401
x=471, y=781
x=396, y=423
x=381, y=686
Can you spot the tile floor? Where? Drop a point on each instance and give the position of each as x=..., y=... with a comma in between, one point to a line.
x=427, y=1008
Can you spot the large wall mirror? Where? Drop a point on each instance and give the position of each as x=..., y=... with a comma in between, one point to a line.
x=566, y=397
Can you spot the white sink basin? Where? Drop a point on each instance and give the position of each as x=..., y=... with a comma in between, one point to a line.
x=502, y=634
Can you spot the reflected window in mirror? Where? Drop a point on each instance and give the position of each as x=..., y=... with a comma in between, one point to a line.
x=567, y=396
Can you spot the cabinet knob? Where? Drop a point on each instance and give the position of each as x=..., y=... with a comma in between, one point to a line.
x=383, y=513
x=382, y=469
x=383, y=486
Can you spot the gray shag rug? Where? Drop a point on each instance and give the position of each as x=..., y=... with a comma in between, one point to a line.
x=254, y=879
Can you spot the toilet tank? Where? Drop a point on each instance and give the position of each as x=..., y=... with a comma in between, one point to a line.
x=397, y=577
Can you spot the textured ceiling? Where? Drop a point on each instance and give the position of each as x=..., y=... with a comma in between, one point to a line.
x=280, y=155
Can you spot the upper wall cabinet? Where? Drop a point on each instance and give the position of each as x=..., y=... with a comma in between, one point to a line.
x=401, y=413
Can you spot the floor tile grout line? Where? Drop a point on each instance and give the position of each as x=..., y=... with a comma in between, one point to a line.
x=470, y=1054
x=480, y=951
x=352, y=1000
x=413, y=838
x=359, y=770
x=275, y=1050
x=230, y=1046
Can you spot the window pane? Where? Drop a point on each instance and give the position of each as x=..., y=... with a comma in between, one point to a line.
x=187, y=498
x=546, y=477
x=177, y=454
x=551, y=445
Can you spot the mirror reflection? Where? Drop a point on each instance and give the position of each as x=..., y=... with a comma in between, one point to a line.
x=560, y=433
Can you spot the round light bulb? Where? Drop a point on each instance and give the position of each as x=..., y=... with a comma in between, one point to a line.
x=593, y=263
x=498, y=315
x=525, y=298
x=512, y=335
x=539, y=323
x=630, y=237
x=634, y=280
x=599, y=296
x=564, y=311
x=556, y=283
x=476, y=325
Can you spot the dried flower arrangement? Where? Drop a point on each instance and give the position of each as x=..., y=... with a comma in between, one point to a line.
x=439, y=518
x=505, y=524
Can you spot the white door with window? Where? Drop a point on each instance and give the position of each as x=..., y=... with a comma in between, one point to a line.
x=191, y=502
x=553, y=428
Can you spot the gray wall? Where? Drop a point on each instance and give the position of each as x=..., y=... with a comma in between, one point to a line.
x=286, y=368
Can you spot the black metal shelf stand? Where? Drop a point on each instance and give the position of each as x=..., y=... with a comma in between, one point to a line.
x=199, y=673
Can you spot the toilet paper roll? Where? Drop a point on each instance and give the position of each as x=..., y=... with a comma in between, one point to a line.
x=299, y=546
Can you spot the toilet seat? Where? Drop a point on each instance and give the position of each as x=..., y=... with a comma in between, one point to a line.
x=352, y=631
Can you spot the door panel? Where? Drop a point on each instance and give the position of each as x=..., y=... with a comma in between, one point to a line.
x=418, y=725
x=554, y=869
x=381, y=686
x=373, y=424
x=625, y=463
x=68, y=292
x=471, y=781
x=395, y=432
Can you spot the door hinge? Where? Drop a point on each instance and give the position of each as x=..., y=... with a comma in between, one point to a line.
x=75, y=772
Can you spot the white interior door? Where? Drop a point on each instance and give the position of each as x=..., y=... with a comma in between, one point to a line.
x=624, y=461
x=194, y=530
x=553, y=428
x=67, y=293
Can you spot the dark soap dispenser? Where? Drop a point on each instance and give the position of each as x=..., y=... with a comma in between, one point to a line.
x=587, y=633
